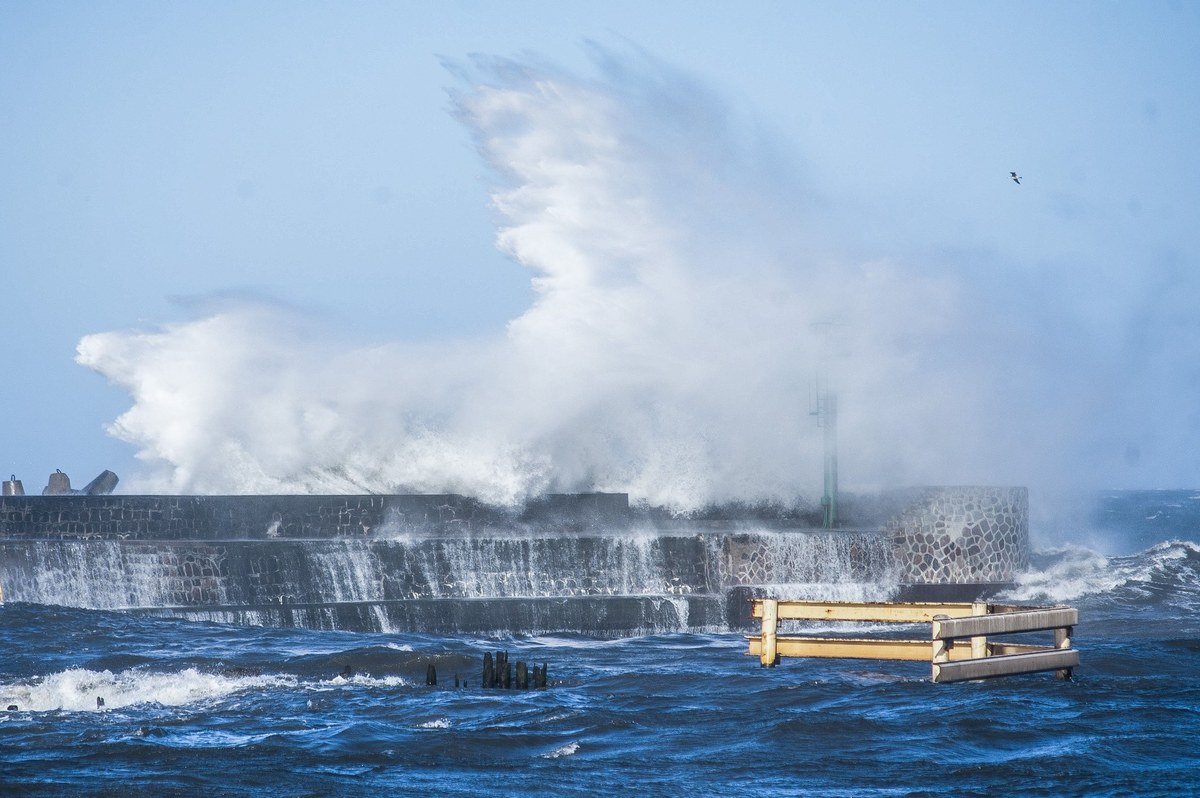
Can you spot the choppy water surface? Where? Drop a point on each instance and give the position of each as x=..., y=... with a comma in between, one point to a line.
x=194, y=708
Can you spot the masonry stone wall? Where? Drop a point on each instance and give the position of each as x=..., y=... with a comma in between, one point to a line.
x=962, y=535
x=148, y=517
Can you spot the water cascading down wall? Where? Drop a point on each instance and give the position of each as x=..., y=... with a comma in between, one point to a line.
x=580, y=562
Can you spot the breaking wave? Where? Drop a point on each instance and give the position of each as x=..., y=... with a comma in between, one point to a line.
x=77, y=689
x=683, y=290
x=1166, y=574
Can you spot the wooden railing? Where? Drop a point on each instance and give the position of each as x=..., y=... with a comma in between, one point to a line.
x=959, y=647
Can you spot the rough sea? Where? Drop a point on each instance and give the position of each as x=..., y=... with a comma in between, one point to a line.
x=207, y=709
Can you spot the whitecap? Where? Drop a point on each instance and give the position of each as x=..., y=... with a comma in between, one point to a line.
x=437, y=723
x=1073, y=572
x=566, y=750
x=360, y=679
x=78, y=689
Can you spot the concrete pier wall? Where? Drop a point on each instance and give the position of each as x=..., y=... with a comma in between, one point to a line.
x=449, y=564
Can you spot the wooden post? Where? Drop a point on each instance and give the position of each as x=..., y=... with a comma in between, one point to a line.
x=770, y=625
x=488, y=671
x=522, y=675
x=941, y=647
x=431, y=676
x=1062, y=641
x=979, y=643
x=506, y=674
x=501, y=668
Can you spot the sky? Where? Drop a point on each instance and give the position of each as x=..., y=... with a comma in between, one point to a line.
x=500, y=248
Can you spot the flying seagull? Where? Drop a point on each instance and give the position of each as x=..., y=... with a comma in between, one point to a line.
x=1016, y=178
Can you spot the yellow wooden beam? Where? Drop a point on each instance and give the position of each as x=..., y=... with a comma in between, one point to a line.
x=849, y=648
x=1002, y=649
x=910, y=612
x=916, y=650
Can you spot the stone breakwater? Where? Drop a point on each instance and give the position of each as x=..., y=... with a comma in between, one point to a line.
x=956, y=536
x=446, y=563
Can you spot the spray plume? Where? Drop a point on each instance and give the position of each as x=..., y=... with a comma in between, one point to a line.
x=680, y=282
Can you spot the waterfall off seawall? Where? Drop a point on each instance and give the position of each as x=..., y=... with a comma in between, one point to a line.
x=580, y=562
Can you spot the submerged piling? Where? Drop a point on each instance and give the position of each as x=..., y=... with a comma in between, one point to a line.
x=500, y=674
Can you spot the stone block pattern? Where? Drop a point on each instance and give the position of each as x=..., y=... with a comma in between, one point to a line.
x=148, y=517
x=962, y=535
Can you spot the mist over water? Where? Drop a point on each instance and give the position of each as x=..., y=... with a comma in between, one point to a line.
x=683, y=271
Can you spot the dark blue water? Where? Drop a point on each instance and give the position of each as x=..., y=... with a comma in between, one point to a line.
x=206, y=709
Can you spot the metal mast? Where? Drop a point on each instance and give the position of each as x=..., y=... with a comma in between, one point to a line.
x=826, y=413
x=829, y=501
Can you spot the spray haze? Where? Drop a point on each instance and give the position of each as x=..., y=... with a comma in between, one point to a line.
x=681, y=271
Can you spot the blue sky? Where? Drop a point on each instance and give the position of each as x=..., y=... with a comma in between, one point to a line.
x=334, y=163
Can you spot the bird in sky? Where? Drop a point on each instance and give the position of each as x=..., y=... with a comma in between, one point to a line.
x=1016, y=178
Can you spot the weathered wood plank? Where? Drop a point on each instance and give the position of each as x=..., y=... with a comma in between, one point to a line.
x=979, y=644
x=1005, y=623
x=1004, y=666
x=997, y=649
x=851, y=648
x=913, y=612
x=770, y=623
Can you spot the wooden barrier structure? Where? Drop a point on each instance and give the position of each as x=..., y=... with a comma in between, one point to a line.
x=976, y=622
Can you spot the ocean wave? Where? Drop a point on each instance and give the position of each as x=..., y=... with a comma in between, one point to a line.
x=566, y=750
x=1167, y=573
x=438, y=723
x=78, y=689
x=362, y=680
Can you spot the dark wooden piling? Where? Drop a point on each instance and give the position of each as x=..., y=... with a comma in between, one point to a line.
x=500, y=674
x=431, y=676
x=522, y=676
x=502, y=677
